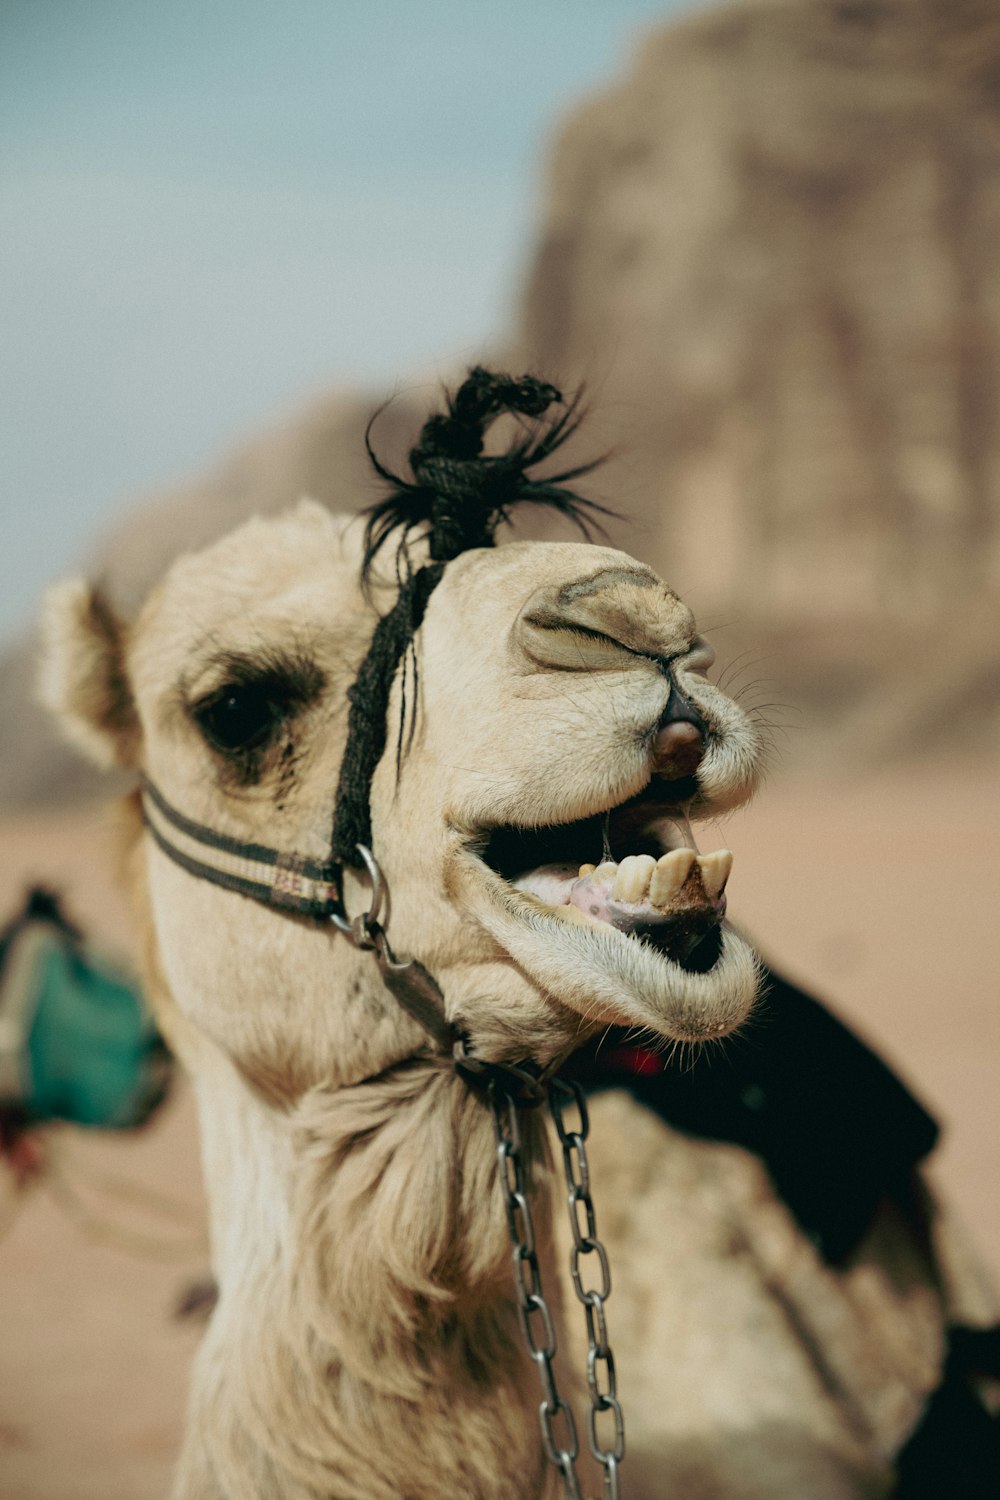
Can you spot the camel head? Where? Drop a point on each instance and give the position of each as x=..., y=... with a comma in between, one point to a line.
x=552, y=737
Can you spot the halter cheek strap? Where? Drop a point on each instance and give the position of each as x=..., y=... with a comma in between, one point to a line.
x=293, y=883
x=288, y=881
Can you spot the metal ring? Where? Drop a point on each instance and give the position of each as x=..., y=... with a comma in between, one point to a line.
x=358, y=928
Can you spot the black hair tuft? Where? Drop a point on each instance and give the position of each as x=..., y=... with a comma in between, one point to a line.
x=458, y=495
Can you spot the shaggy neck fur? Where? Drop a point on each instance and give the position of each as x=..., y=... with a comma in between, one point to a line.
x=366, y=1344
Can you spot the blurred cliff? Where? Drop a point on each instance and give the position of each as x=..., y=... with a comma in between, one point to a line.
x=773, y=249
x=770, y=253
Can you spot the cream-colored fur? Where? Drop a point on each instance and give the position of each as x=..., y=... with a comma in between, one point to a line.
x=365, y=1344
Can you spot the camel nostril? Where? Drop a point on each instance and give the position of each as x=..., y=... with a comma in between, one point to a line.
x=678, y=749
x=680, y=738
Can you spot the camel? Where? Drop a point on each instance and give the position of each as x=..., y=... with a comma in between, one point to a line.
x=533, y=830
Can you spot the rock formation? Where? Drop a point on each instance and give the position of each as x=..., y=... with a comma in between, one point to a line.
x=772, y=249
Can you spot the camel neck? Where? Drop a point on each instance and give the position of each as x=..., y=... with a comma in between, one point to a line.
x=366, y=1341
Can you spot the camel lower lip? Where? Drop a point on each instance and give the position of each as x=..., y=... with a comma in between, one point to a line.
x=690, y=939
x=673, y=905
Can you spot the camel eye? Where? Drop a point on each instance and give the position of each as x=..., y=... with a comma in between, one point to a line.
x=241, y=716
x=254, y=706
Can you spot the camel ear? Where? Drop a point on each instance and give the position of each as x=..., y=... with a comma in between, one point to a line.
x=82, y=678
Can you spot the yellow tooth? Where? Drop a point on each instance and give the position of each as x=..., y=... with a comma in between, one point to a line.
x=632, y=880
x=574, y=916
x=670, y=874
x=715, y=870
x=606, y=870
x=586, y=870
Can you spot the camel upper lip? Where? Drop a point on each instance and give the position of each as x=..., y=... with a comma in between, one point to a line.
x=630, y=827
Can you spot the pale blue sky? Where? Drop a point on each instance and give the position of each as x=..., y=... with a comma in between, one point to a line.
x=211, y=210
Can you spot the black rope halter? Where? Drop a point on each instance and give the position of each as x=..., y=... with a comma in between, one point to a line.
x=456, y=499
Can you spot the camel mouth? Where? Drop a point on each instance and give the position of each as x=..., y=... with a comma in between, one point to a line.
x=633, y=867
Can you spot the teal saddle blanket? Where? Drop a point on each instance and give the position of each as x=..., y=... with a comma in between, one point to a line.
x=77, y=1041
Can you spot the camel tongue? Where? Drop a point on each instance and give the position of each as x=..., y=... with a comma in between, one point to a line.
x=550, y=883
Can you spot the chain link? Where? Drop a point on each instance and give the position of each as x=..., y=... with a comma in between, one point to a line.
x=533, y=1310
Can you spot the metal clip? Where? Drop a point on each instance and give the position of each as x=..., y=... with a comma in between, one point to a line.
x=413, y=988
x=408, y=982
x=525, y=1084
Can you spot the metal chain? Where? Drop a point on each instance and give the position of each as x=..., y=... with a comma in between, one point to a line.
x=601, y=1379
x=533, y=1310
x=510, y=1089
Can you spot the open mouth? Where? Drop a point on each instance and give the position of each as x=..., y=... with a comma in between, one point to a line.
x=634, y=867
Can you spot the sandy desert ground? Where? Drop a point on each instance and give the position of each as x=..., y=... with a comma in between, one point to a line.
x=881, y=893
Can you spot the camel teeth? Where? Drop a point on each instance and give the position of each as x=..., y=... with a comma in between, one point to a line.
x=670, y=874
x=632, y=881
x=606, y=870
x=574, y=916
x=586, y=870
x=715, y=870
